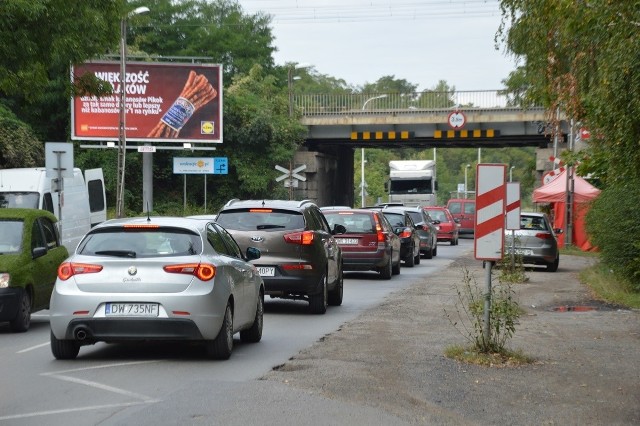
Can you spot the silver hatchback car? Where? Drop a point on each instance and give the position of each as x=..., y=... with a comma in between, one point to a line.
x=158, y=278
x=535, y=241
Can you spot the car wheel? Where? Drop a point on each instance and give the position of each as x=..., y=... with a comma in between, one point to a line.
x=435, y=250
x=395, y=269
x=410, y=262
x=453, y=241
x=318, y=302
x=64, y=349
x=222, y=345
x=553, y=267
x=416, y=260
x=254, y=333
x=22, y=321
x=387, y=270
x=335, y=295
x=428, y=254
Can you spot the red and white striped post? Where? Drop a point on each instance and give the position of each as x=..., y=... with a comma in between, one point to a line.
x=490, y=222
x=513, y=215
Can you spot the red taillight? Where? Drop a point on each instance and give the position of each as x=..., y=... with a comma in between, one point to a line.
x=406, y=233
x=304, y=238
x=382, y=237
x=296, y=267
x=203, y=271
x=68, y=269
x=544, y=235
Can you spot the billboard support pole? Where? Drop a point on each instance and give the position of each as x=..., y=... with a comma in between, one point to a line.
x=184, y=197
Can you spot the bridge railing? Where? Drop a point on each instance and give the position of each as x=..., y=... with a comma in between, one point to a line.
x=368, y=103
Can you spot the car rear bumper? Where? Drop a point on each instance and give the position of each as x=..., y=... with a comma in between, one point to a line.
x=90, y=330
x=365, y=261
x=298, y=285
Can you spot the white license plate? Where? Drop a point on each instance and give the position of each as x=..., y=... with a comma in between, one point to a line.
x=347, y=241
x=266, y=271
x=131, y=310
x=522, y=252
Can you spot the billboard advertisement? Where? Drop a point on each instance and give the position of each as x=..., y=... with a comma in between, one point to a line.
x=165, y=102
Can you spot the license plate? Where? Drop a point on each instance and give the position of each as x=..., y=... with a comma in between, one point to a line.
x=522, y=252
x=266, y=271
x=131, y=310
x=347, y=240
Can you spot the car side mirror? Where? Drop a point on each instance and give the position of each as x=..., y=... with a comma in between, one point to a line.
x=338, y=229
x=456, y=220
x=253, y=253
x=558, y=231
x=38, y=252
x=436, y=222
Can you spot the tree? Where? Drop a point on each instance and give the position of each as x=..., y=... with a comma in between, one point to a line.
x=19, y=146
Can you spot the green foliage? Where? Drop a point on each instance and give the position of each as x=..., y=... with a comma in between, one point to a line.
x=613, y=224
x=503, y=314
x=19, y=146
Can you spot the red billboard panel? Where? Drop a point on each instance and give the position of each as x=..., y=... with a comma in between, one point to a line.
x=165, y=102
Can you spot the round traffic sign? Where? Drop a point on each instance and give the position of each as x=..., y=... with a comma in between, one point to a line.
x=457, y=119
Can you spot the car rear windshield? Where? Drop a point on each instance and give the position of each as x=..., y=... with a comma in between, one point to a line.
x=145, y=242
x=355, y=223
x=438, y=215
x=396, y=219
x=535, y=223
x=263, y=219
x=417, y=217
x=11, y=236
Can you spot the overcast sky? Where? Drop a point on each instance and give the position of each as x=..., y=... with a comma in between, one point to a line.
x=421, y=41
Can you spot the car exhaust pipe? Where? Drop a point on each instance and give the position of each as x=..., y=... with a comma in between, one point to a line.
x=80, y=334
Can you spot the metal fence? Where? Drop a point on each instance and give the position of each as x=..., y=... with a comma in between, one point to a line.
x=363, y=103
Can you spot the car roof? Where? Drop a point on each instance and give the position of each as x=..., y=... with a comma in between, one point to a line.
x=276, y=204
x=535, y=214
x=16, y=213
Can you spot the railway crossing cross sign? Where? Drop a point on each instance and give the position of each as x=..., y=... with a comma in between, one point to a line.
x=292, y=177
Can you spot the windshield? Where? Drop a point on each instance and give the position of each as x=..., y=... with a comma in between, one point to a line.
x=11, y=236
x=24, y=200
x=159, y=242
x=260, y=219
x=410, y=186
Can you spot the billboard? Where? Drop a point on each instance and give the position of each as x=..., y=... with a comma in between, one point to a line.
x=165, y=102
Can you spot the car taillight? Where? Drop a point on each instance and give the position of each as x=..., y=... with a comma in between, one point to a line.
x=406, y=233
x=544, y=235
x=304, y=238
x=382, y=237
x=68, y=269
x=296, y=267
x=203, y=271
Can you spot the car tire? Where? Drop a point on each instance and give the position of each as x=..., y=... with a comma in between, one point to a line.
x=410, y=262
x=22, y=321
x=435, y=250
x=335, y=295
x=222, y=346
x=395, y=269
x=553, y=267
x=64, y=349
x=253, y=334
x=318, y=302
x=428, y=254
x=387, y=270
x=416, y=260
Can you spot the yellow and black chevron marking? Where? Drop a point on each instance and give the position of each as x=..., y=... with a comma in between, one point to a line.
x=366, y=136
x=451, y=134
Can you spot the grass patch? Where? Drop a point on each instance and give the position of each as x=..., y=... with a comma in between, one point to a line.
x=575, y=251
x=503, y=358
x=608, y=287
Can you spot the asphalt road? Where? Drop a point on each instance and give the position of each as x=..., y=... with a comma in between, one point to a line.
x=175, y=384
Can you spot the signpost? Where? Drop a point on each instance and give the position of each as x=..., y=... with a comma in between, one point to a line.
x=490, y=223
x=513, y=215
x=199, y=166
x=291, y=177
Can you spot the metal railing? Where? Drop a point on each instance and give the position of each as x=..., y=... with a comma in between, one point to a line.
x=406, y=103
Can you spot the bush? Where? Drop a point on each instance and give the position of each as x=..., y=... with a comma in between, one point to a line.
x=613, y=223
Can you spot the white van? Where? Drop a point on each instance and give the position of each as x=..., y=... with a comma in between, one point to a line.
x=82, y=205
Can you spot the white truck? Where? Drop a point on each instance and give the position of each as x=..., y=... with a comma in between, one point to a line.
x=82, y=205
x=412, y=182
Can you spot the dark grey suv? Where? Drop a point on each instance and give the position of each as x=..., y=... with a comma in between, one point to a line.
x=300, y=258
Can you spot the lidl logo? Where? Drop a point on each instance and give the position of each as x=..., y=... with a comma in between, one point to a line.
x=206, y=127
x=84, y=127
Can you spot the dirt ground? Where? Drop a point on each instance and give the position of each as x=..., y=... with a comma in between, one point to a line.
x=586, y=369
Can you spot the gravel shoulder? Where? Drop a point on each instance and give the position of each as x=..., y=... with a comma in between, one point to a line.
x=391, y=358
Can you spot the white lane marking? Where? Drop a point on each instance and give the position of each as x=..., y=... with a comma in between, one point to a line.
x=95, y=367
x=33, y=347
x=101, y=386
x=73, y=410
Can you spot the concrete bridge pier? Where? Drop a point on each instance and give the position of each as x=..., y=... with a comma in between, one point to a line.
x=329, y=176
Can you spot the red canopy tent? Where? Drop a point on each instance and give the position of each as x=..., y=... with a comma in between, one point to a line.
x=555, y=192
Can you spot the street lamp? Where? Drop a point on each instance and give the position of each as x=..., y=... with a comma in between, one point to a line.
x=362, y=181
x=465, y=180
x=511, y=173
x=122, y=141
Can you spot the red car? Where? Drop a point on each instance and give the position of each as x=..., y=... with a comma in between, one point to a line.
x=449, y=228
